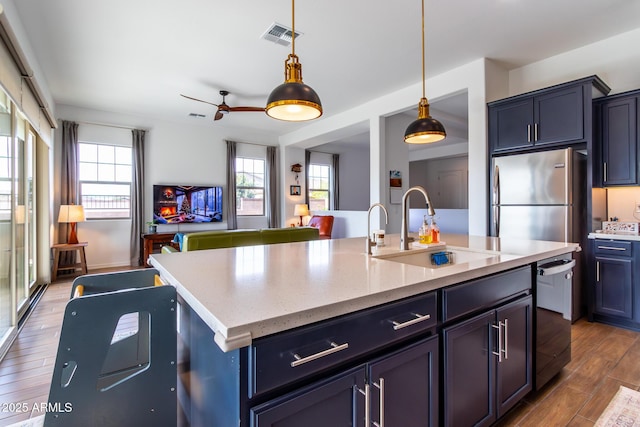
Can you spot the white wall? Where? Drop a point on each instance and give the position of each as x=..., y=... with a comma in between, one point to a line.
x=354, y=179
x=615, y=60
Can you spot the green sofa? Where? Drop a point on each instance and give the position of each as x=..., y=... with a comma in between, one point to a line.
x=215, y=239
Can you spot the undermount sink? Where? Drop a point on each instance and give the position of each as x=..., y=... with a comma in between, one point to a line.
x=456, y=257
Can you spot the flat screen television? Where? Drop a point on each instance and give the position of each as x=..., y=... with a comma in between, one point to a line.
x=180, y=204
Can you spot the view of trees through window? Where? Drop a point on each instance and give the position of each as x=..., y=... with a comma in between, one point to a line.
x=105, y=180
x=249, y=186
x=318, y=187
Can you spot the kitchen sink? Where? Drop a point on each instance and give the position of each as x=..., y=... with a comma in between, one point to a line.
x=442, y=258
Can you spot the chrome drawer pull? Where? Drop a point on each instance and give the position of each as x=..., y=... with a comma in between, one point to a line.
x=612, y=248
x=419, y=318
x=334, y=349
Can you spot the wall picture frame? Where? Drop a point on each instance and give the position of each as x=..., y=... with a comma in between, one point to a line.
x=294, y=190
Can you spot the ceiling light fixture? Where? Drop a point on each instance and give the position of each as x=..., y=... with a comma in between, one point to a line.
x=425, y=129
x=293, y=100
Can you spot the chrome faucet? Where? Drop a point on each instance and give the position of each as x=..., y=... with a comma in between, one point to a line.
x=404, y=235
x=386, y=221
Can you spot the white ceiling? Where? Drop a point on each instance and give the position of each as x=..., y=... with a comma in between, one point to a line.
x=136, y=57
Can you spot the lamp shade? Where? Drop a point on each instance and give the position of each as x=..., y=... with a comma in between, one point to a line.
x=425, y=129
x=294, y=101
x=301, y=210
x=71, y=213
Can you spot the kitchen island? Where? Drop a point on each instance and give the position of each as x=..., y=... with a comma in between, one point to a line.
x=268, y=332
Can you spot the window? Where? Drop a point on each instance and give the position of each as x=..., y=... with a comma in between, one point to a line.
x=318, y=187
x=249, y=186
x=105, y=180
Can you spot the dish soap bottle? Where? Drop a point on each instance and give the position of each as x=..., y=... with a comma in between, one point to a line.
x=425, y=232
x=435, y=231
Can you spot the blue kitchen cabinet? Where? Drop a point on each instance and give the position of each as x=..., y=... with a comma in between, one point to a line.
x=555, y=116
x=488, y=364
x=616, y=135
x=401, y=389
x=614, y=280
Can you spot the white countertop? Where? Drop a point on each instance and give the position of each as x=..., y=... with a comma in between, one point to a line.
x=248, y=292
x=614, y=236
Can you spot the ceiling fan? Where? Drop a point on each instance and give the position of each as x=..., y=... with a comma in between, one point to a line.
x=223, y=108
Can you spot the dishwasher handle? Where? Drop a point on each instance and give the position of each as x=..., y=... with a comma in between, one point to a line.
x=556, y=267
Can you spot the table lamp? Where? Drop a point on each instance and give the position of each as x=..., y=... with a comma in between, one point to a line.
x=71, y=214
x=301, y=210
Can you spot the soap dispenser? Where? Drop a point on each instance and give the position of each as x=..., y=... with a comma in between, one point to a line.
x=435, y=231
x=425, y=232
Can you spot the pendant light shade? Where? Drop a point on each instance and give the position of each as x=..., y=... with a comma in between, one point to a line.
x=425, y=129
x=293, y=100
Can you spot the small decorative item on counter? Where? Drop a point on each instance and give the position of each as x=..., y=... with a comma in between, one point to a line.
x=435, y=231
x=379, y=237
x=425, y=232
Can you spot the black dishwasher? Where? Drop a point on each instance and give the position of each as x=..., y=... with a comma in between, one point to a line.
x=553, y=317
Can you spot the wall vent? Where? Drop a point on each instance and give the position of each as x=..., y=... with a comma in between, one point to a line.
x=279, y=34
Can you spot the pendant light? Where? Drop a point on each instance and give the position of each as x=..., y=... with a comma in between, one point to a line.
x=425, y=129
x=293, y=100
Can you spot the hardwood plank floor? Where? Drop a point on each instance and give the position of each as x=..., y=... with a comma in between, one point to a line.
x=603, y=358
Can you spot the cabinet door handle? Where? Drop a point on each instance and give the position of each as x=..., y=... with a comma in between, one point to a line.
x=506, y=339
x=501, y=347
x=605, y=171
x=528, y=133
x=334, y=349
x=612, y=248
x=535, y=132
x=419, y=318
x=380, y=385
x=367, y=403
x=597, y=271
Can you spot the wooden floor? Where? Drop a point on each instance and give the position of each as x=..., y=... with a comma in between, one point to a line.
x=604, y=358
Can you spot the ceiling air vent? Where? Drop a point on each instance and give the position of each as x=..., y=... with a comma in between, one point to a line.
x=196, y=115
x=279, y=34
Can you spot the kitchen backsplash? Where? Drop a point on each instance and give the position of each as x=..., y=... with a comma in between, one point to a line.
x=621, y=203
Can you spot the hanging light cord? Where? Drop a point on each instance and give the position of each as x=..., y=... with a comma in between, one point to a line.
x=293, y=27
x=423, y=61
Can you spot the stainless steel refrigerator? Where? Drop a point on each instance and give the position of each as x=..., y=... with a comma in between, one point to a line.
x=542, y=196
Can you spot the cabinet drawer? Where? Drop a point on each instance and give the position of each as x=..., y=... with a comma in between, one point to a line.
x=484, y=293
x=286, y=357
x=613, y=247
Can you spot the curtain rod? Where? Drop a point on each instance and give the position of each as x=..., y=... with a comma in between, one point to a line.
x=106, y=125
x=254, y=143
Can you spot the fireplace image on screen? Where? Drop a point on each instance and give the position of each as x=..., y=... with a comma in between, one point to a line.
x=175, y=204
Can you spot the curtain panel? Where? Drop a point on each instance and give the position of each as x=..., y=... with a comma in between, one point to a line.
x=69, y=191
x=232, y=219
x=273, y=216
x=137, y=195
x=335, y=192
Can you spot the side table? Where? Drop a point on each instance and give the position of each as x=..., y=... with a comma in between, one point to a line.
x=157, y=239
x=66, y=247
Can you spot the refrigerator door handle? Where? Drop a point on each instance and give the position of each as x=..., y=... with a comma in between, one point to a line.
x=496, y=200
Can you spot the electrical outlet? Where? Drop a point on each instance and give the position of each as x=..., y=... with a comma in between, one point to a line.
x=637, y=207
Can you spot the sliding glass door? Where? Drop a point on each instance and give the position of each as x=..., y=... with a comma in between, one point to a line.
x=7, y=295
x=17, y=217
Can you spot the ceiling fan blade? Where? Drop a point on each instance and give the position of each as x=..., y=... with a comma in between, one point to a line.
x=199, y=100
x=246, y=108
x=218, y=115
